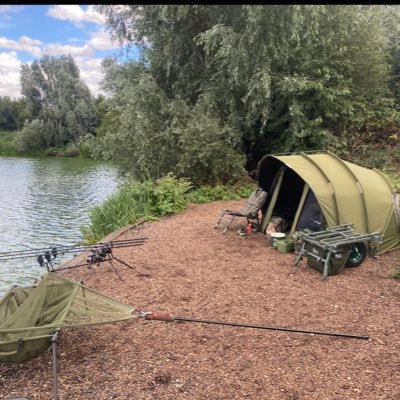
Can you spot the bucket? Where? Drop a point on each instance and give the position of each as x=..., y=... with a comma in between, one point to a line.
x=275, y=236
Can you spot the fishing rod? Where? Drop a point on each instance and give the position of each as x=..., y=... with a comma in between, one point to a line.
x=99, y=253
x=54, y=251
x=171, y=318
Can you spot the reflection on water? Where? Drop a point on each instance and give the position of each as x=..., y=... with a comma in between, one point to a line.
x=43, y=202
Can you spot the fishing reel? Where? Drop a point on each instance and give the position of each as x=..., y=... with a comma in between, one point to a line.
x=99, y=254
x=49, y=256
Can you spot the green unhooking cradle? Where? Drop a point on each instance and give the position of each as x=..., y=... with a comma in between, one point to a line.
x=30, y=316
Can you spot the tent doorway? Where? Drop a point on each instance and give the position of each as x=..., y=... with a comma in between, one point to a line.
x=292, y=200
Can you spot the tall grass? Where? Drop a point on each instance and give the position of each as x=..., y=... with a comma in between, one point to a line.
x=136, y=200
x=150, y=200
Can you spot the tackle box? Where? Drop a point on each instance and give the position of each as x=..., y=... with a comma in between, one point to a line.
x=285, y=245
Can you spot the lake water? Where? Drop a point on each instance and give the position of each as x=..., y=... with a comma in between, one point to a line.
x=43, y=203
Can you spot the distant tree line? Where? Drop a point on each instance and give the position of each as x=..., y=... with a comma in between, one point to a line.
x=216, y=87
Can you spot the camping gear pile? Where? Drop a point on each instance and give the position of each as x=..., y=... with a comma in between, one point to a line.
x=318, y=191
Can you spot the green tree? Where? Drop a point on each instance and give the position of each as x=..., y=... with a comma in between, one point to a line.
x=56, y=96
x=281, y=77
x=12, y=113
x=8, y=116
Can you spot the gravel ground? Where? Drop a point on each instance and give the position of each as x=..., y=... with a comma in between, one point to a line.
x=194, y=271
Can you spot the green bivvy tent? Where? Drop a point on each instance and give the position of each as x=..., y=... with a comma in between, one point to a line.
x=29, y=316
x=320, y=190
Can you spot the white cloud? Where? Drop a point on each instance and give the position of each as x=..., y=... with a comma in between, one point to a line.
x=102, y=41
x=84, y=52
x=25, y=40
x=90, y=73
x=10, y=67
x=37, y=49
x=9, y=9
x=54, y=49
x=24, y=43
x=76, y=14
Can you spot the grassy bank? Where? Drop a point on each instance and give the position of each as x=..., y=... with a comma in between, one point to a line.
x=151, y=200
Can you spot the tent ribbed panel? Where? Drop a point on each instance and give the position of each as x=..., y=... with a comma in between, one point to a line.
x=378, y=195
x=364, y=210
x=350, y=203
x=318, y=182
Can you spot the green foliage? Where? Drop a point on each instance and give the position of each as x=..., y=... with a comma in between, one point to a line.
x=12, y=113
x=394, y=178
x=32, y=136
x=151, y=199
x=215, y=83
x=134, y=133
x=207, y=193
x=396, y=273
x=7, y=146
x=170, y=194
x=147, y=133
x=208, y=147
x=136, y=200
x=69, y=150
x=378, y=143
x=57, y=98
x=84, y=146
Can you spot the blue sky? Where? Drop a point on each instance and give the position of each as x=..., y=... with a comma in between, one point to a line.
x=28, y=32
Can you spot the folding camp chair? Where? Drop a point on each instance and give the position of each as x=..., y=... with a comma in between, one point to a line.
x=249, y=210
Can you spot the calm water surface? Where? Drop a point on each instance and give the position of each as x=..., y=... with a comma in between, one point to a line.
x=43, y=203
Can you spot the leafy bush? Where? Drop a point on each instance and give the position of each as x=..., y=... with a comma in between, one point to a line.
x=32, y=136
x=207, y=193
x=84, y=146
x=209, y=147
x=134, y=201
x=152, y=199
x=71, y=150
x=170, y=194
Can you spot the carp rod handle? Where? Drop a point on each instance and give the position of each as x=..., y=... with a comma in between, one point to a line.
x=170, y=318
